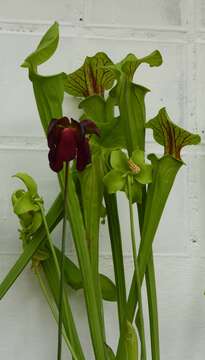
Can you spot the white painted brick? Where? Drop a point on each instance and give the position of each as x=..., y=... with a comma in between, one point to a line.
x=181, y=299
x=19, y=114
x=200, y=13
x=201, y=209
x=47, y=10
x=147, y=13
x=200, y=88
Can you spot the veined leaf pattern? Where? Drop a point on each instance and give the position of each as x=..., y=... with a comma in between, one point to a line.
x=170, y=135
x=91, y=78
x=131, y=62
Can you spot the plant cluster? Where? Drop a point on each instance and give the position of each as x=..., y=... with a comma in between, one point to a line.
x=95, y=157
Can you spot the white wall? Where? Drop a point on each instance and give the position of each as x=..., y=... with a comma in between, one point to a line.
x=177, y=29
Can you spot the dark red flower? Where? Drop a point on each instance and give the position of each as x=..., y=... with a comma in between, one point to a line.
x=67, y=141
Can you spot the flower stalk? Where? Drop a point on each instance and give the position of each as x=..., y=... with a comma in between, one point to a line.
x=62, y=264
x=137, y=274
x=53, y=308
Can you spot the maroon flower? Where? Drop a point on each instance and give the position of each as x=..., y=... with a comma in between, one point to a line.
x=67, y=141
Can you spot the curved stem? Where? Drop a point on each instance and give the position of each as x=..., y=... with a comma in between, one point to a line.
x=53, y=309
x=50, y=241
x=60, y=321
x=68, y=313
x=137, y=275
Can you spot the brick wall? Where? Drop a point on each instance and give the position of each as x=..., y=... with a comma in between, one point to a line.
x=177, y=29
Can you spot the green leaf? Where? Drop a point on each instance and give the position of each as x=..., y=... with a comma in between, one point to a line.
x=94, y=108
x=131, y=62
x=138, y=157
x=79, y=237
x=72, y=273
x=49, y=95
x=16, y=195
x=165, y=170
x=36, y=222
x=25, y=204
x=45, y=49
x=112, y=134
x=153, y=311
x=102, y=113
x=117, y=254
x=136, y=192
x=91, y=78
x=119, y=161
x=130, y=98
x=170, y=135
x=108, y=288
x=110, y=353
x=52, y=278
x=29, y=182
x=145, y=175
x=53, y=217
x=74, y=279
x=114, y=181
x=131, y=342
x=91, y=180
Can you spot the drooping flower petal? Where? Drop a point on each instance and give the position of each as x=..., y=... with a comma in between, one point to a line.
x=83, y=154
x=114, y=181
x=145, y=174
x=119, y=161
x=138, y=157
x=55, y=128
x=67, y=141
x=55, y=163
x=67, y=146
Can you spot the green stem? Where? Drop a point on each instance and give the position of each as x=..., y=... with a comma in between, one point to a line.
x=53, y=308
x=117, y=254
x=151, y=290
x=60, y=322
x=50, y=241
x=74, y=214
x=137, y=275
x=153, y=311
x=68, y=313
